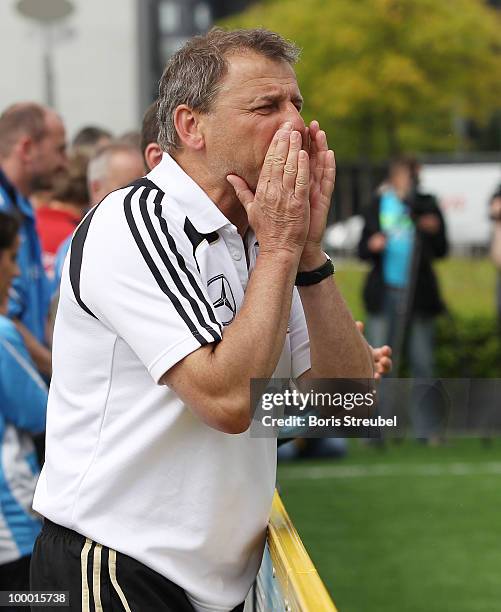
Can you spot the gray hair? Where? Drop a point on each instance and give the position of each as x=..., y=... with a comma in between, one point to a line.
x=99, y=165
x=194, y=73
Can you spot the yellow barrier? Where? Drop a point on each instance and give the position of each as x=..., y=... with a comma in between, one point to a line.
x=300, y=584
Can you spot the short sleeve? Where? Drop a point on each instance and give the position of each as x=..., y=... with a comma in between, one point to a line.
x=299, y=338
x=145, y=285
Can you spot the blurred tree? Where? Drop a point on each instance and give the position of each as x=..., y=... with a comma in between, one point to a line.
x=389, y=76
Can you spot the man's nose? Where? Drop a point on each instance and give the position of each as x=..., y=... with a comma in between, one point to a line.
x=295, y=117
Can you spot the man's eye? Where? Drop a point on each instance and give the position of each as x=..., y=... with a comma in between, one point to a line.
x=266, y=108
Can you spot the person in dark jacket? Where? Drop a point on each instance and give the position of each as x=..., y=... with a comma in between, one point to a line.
x=404, y=232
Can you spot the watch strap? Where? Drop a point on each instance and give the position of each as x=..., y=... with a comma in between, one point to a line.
x=304, y=279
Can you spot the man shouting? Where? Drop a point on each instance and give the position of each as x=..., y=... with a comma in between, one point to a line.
x=177, y=291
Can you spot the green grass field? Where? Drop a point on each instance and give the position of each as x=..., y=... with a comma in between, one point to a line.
x=410, y=528
x=405, y=529
x=468, y=285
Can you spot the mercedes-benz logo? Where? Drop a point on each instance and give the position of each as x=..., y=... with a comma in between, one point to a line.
x=222, y=298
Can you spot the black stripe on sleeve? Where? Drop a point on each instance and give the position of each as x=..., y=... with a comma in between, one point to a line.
x=180, y=260
x=211, y=238
x=183, y=266
x=76, y=252
x=151, y=264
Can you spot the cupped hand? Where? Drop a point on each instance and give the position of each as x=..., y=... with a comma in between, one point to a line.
x=278, y=211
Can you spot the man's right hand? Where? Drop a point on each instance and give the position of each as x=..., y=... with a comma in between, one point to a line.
x=279, y=211
x=376, y=243
x=215, y=379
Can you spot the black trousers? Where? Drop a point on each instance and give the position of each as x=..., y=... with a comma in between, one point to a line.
x=99, y=578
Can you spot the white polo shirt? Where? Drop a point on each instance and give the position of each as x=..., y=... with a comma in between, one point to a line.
x=154, y=272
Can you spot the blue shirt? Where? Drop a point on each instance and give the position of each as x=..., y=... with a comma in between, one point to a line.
x=397, y=225
x=30, y=293
x=23, y=401
x=62, y=251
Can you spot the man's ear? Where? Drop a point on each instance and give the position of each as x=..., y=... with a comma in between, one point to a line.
x=152, y=155
x=96, y=193
x=187, y=124
x=25, y=148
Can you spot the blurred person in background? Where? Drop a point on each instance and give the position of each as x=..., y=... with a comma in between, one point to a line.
x=23, y=400
x=32, y=156
x=58, y=219
x=89, y=139
x=85, y=144
x=132, y=138
x=495, y=250
x=404, y=232
x=112, y=167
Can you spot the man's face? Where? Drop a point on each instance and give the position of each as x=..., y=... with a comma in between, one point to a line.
x=401, y=179
x=49, y=154
x=256, y=97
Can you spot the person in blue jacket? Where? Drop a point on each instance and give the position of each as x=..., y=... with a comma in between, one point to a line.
x=32, y=155
x=23, y=400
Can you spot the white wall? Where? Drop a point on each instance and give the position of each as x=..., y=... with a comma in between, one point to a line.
x=463, y=191
x=95, y=63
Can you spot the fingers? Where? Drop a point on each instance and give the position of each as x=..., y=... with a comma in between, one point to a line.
x=244, y=194
x=328, y=177
x=381, y=351
x=302, y=187
x=265, y=174
x=322, y=161
x=314, y=128
x=386, y=350
x=279, y=156
x=383, y=366
x=306, y=140
x=382, y=361
x=361, y=326
x=291, y=165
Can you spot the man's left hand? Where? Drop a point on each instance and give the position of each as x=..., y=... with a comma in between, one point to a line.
x=382, y=361
x=322, y=177
x=381, y=356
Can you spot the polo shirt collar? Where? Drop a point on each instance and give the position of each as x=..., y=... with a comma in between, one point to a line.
x=200, y=209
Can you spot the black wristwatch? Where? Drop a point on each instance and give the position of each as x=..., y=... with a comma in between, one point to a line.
x=303, y=279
